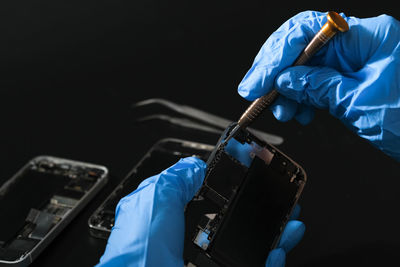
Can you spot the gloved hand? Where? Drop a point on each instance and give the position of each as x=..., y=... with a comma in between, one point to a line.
x=292, y=234
x=149, y=222
x=356, y=75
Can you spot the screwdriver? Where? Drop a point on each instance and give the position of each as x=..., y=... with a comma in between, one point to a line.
x=334, y=24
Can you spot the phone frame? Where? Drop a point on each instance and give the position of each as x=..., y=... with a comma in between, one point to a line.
x=204, y=257
x=102, y=232
x=68, y=217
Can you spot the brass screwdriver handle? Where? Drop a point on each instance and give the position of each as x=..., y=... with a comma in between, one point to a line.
x=334, y=24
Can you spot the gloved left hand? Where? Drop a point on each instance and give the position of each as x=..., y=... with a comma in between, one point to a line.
x=149, y=222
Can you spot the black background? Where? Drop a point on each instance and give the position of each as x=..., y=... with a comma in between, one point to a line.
x=69, y=71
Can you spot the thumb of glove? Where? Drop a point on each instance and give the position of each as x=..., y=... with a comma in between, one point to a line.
x=149, y=222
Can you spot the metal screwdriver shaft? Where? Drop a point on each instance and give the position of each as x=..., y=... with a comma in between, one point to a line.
x=334, y=24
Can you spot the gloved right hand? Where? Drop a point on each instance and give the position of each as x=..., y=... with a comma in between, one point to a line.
x=356, y=76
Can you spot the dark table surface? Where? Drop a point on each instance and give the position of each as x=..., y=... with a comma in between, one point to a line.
x=69, y=71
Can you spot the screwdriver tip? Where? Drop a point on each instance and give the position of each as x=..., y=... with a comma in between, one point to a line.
x=231, y=134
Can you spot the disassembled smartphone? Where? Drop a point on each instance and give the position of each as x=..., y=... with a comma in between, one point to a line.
x=161, y=155
x=39, y=201
x=247, y=197
x=238, y=215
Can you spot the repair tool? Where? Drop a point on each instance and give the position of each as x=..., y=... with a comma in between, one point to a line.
x=334, y=24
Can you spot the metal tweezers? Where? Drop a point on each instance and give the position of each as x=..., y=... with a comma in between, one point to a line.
x=215, y=124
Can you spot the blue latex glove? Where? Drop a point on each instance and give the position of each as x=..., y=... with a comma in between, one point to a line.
x=356, y=76
x=149, y=222
x=292, y=235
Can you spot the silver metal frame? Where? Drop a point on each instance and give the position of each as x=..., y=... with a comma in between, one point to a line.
x=36, y=250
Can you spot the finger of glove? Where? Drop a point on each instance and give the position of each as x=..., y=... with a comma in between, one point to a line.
x=284, y=109
x=292, y=234
x=305, y=114
x=276, y=258
x=240, y=151
x=279, y=51
x=321, y=87
x=183, y=179
x=295, y=213
x=146, y=182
